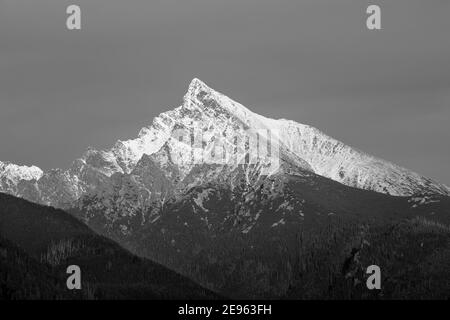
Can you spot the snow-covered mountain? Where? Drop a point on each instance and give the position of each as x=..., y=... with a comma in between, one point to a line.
x=211, y=183
x=221, y=122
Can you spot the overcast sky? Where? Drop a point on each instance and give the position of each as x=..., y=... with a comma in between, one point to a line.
x=386, y=92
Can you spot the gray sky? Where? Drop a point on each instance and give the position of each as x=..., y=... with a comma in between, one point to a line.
x=386, y=92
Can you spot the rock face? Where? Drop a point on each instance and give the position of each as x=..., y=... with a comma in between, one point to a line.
x=14, y=178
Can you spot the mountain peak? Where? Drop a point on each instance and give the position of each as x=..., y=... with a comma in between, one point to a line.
x=202, y=97
x=197, y=85
x=195, y=88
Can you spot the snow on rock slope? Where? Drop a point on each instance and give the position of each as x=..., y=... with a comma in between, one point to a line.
x=294, y=147
x=12, y=174
x=333, y=159
x=16, y=173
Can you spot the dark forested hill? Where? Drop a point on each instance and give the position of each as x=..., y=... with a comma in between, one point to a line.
x=37, y=244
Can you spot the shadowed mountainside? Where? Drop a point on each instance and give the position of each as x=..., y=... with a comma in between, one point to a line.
x=37, y=244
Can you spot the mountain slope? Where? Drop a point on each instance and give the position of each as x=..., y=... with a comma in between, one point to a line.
x=23, y=277
x=217, y=233
x=46, y=240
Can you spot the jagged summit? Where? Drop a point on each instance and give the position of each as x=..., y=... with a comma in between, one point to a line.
x=195, y=87
x=197, y=84
x=203, y=98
